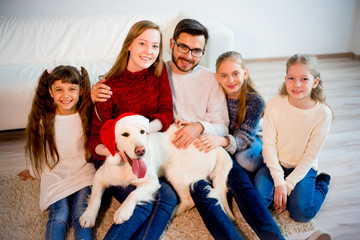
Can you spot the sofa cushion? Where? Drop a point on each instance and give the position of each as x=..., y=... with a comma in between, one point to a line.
x=71, y=38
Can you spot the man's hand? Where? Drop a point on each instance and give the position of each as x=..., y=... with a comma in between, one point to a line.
x=280, y=198
x=187, y=134
x=100, y=92
x=180, y=122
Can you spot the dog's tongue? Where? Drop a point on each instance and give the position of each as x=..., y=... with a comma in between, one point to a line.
x=138, y=167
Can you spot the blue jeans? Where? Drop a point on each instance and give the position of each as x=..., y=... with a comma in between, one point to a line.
x=251, y=159
x=305, y=199
x=149, y=218
x=249, y=202
x=65, y=210
x=163, y=206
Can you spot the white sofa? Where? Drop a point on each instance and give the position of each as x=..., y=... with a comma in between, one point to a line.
x=31, y=44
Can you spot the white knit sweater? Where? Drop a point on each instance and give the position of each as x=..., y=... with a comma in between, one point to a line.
x=198, y=97
x=72, y=173
x=293, y=137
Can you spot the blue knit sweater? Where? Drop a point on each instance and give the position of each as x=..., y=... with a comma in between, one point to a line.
x=243, y=137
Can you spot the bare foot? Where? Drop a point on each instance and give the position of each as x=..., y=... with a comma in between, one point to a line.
x=25, y=175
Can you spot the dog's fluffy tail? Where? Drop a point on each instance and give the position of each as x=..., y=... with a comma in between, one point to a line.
x=219, y=180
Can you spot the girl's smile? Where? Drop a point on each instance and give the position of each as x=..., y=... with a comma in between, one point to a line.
x=232, y=86
x=231, y=76
x=144, y=50
x=66, y=97
x=299, y=84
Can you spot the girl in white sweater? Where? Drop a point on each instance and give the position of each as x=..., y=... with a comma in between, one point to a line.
x=296, y=124
x=56, y=143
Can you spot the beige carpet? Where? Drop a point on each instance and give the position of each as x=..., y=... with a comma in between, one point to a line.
x=21, y=218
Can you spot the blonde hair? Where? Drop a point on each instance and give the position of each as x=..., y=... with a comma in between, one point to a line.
x=317, y=94
x=311, y=63
x=248, y=85
x=122, y=60
x=40, y=144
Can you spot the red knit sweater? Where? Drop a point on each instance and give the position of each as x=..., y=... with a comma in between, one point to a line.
x=140, y=92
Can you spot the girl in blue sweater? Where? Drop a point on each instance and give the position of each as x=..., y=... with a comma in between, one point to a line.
x=245, y=110
x=246, y=107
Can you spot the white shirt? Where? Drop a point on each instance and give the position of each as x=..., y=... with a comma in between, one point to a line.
x=72, y=172
x=198, y=97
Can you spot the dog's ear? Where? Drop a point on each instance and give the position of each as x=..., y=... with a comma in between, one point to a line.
x=107, y=135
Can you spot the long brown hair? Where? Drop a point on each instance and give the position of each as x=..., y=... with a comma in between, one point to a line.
x=40, y=142
x=121, y=62
x=248, y=85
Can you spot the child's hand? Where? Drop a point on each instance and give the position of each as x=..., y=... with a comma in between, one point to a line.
x=280, y=198
x=187, y=134
x=25, y=175
x=208, y=142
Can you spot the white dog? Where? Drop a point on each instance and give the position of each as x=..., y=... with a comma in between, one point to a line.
x=125, y=166
x=181, y=167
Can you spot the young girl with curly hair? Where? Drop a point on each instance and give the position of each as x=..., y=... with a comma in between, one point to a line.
x=57, y=145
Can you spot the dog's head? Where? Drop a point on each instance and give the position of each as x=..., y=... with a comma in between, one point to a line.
x=127, y=136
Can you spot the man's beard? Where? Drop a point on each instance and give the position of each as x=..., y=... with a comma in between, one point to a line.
x=184, y=59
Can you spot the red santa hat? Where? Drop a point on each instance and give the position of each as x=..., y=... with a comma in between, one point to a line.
x=111, y=129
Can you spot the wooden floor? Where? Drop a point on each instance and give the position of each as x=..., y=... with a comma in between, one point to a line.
x=340, y=213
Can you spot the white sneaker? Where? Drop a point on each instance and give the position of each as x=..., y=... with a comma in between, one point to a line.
x=319, y=235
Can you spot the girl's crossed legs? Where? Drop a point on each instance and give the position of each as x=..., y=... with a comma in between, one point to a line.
x=304, y=201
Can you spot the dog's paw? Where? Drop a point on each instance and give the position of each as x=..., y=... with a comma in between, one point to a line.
x=87, y=220
x=122, y=215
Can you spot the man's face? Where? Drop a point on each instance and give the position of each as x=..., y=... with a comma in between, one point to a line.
x=185, y=62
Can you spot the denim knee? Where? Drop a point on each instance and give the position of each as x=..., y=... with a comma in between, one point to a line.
x=59, y=214
x=80, y=202
x=264, y=185
x=301, y=214
x=299, y=209
x=167, y=197
x=249, y=163
x=197, y=188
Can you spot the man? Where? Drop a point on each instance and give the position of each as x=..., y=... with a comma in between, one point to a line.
x=200, y=107
x=197, y=97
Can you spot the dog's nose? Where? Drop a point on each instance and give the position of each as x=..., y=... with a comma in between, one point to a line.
x=140, y=150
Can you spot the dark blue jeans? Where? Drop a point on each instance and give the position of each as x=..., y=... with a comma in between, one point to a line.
x=163, y=206
x=68, y=209
x=305, y=199
x=249, y=202
x=149, y=218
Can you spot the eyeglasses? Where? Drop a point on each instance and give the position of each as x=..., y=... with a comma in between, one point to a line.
x=195, y=52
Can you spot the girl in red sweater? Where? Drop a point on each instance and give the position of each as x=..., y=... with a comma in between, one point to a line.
x=139, y=83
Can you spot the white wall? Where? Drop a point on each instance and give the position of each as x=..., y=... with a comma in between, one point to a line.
x=262, y=29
